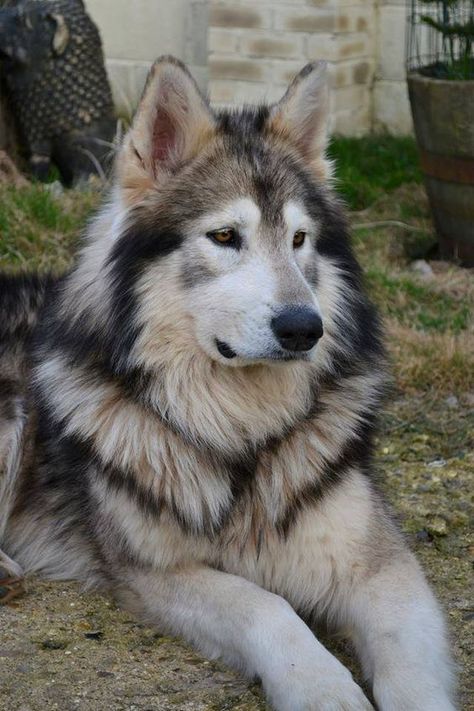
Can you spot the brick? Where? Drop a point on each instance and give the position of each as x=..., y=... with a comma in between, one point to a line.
x=270, y=44
x=222, y=40
x=339, y=76
x=221, y=15
x=235, y=93
x=221, y=67
x=140, y=30
x=222, y=92
x=350, y=73
x=282, y=73
x=353, y=122
x=197, y=23
x=355, y=45
x=304, y=20
x=324, y=46
x=355, y=19
x=391, y=108
x=350, y=97
x=362, y=73
x=391, y=43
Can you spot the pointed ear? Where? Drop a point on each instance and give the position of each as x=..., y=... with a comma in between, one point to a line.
x=172, y=124
x=301, y=116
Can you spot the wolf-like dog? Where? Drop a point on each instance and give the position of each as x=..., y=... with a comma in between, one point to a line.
x=186, y=418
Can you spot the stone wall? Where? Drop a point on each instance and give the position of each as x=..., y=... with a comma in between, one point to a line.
x=391, y=110
x=244, y=51
x=135, y=32
x=255, y=48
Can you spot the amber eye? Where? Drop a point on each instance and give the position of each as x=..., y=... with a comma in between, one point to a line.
x=226, y=236
x=299, y=238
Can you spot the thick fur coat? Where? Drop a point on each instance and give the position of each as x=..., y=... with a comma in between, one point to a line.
x=186, y=418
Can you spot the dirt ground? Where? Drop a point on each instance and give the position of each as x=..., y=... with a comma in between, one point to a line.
x=60, y=649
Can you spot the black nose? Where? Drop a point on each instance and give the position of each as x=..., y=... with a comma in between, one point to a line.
x=297, y=328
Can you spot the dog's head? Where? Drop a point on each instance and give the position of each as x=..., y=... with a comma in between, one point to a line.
x=228, y=217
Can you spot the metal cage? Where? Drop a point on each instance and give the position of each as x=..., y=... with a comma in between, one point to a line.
x=440, y=38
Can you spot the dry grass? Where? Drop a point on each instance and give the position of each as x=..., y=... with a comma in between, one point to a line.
x=38, y=230
x=429, y=318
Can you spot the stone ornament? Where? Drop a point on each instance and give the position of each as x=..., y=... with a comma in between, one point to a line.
x=52, y=60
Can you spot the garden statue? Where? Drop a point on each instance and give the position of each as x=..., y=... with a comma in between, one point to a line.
x=52, y=61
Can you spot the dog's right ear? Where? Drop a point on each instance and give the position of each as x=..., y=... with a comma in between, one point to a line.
x=172, y=124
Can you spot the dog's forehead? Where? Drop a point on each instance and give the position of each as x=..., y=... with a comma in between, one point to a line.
x=252, y=171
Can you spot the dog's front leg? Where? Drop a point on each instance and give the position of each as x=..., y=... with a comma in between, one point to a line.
x=401, y=640
x=249, y=628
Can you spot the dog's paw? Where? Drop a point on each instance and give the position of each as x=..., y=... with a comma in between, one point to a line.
x=427, y=696
x=334, y=691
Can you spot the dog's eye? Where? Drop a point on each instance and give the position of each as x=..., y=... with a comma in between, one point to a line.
x=299, y=238
x=227, y=236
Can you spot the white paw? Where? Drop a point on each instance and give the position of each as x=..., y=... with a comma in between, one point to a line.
x=394, y=696
x=320, y=690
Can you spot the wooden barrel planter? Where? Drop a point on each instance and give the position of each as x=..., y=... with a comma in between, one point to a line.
x=443, y=115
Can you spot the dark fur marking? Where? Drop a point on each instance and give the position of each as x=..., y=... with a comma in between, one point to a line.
x=139, y=246
x=356, y=452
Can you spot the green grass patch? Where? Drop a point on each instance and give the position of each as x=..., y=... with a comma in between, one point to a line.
x=368, y=167
x=39, y=230
x=417, y=305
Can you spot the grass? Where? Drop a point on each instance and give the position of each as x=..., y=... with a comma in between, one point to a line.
x=367, y=167
x=39, y=230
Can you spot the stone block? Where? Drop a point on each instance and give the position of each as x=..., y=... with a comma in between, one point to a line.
x=230, y=67
x=141, y=30
x=282, y=73
x=355, y=19
x=324, y=46
x=236, y=93
x=223, y=40
x=272, y=44
x=232, y=15
x=197, y=23
x=350, y=97
x=352, y=122
x=391, y=108
x=391, y=43
x=297, y=19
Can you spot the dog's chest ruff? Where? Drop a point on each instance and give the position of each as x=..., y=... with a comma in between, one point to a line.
x=246, y=497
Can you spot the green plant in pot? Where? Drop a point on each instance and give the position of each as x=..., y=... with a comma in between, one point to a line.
x=440, y=66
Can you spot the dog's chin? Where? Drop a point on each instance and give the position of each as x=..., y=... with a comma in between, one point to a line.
x=225, y=354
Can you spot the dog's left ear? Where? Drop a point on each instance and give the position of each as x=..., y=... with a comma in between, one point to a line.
x=172, y=124
x=301, y=116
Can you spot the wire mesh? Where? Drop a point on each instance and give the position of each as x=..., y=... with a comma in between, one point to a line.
x=440, y=38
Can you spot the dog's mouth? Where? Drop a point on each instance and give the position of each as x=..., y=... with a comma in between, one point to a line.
x=274, y=356
x=225, y=350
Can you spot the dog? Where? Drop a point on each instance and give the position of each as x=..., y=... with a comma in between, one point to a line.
x=187, y=416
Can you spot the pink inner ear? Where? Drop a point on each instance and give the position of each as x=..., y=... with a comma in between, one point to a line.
x=164, y=137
